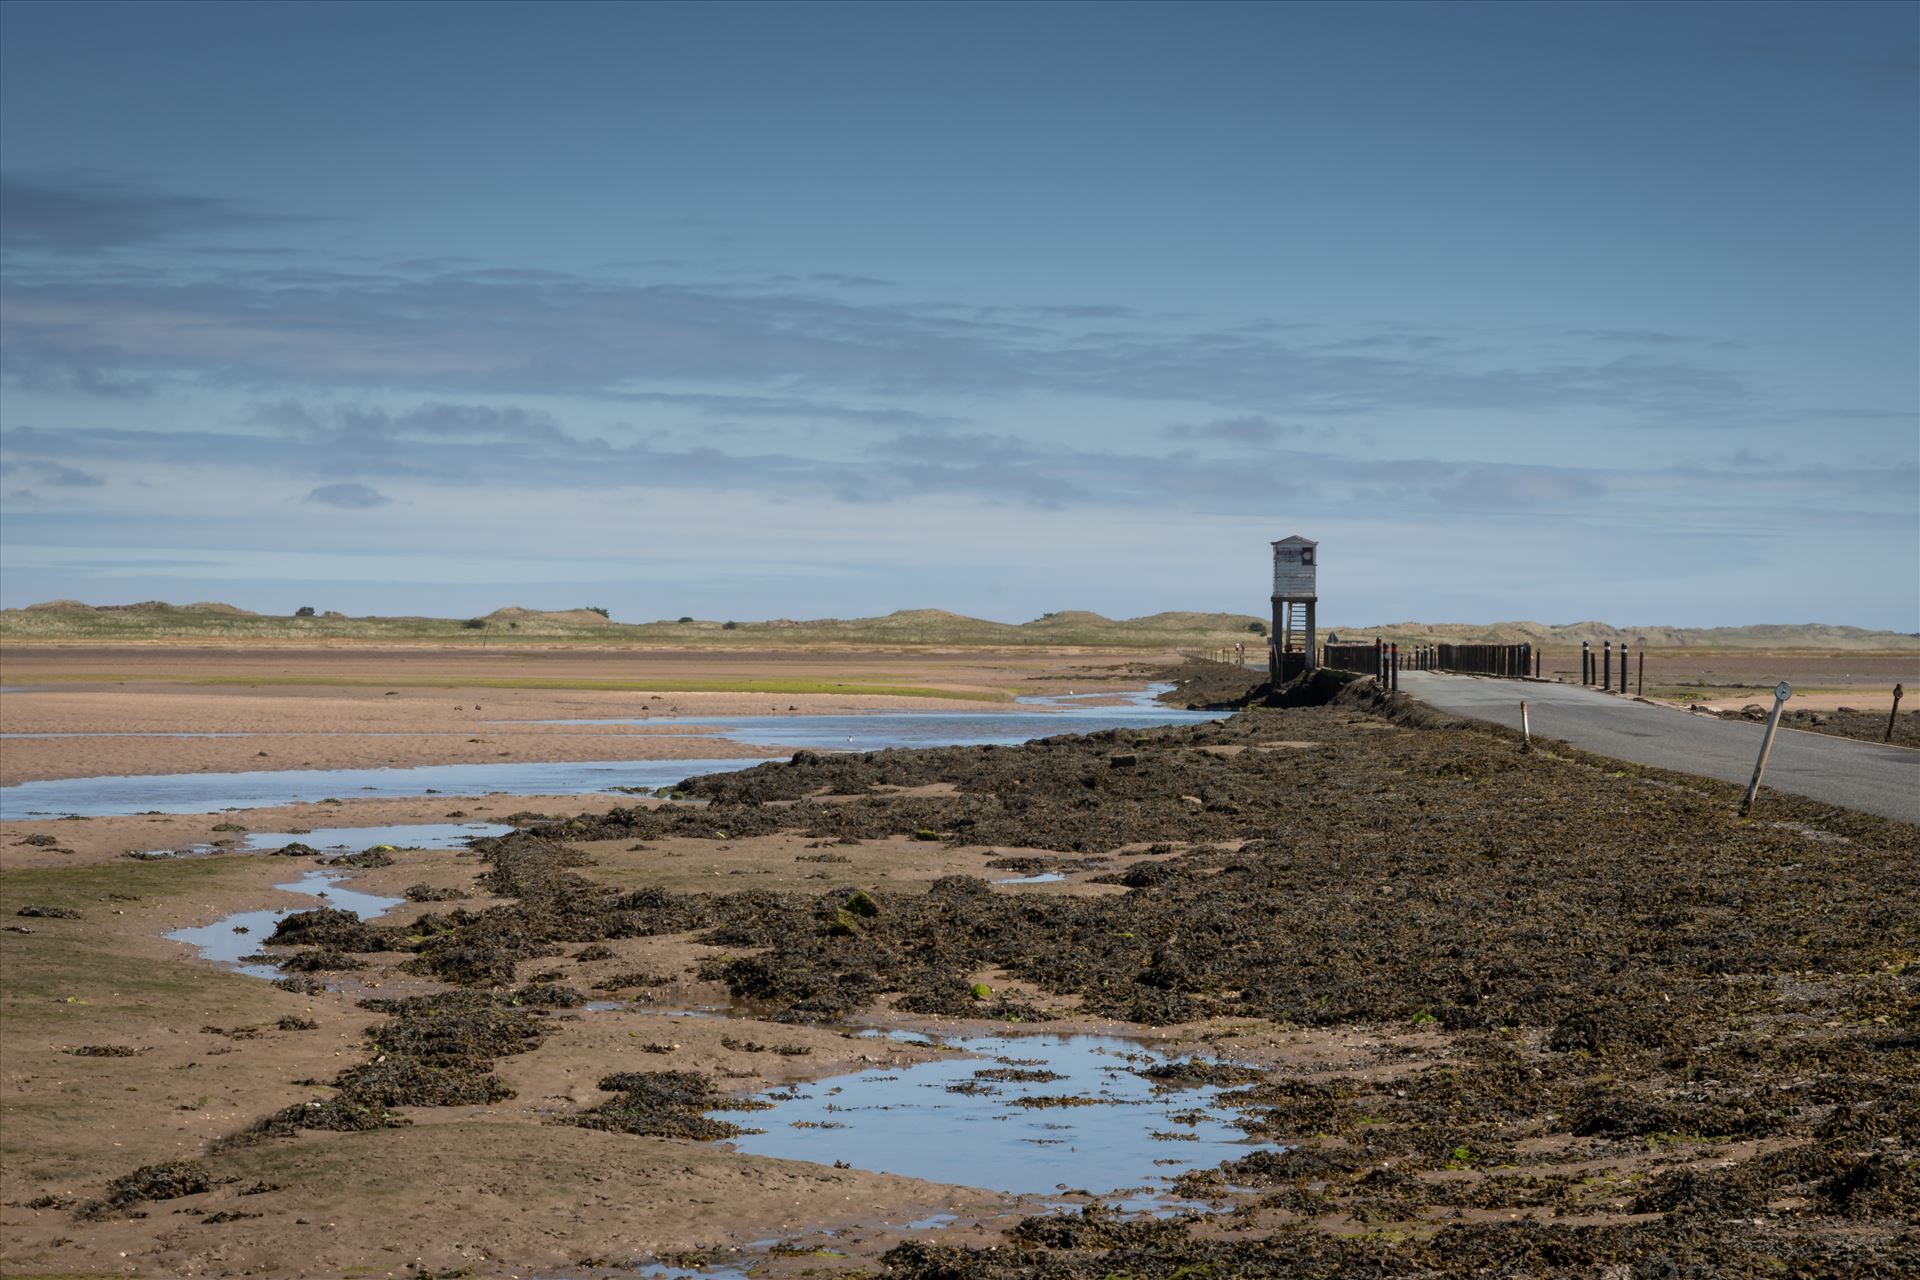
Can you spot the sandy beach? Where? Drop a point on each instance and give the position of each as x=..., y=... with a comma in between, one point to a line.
x=358, y=708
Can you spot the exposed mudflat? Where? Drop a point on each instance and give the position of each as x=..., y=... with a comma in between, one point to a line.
x=1498, y=1012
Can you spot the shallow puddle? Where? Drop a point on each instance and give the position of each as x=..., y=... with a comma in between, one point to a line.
x=996, y=1119
x=213, y=792
x=1043, y=877
x=225, y=941
x=661, y=1271
x=405, y=835
x=402, y=835
x=339, y=840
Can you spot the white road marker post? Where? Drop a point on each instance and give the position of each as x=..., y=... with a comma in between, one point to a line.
x=1526, y=729
x=1780, y=696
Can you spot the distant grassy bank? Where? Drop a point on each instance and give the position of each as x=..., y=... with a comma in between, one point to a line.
x=719, y=685
x=220, y=624
x=223, y=624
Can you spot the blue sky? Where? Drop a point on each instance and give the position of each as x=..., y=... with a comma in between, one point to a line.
x=1551, y=311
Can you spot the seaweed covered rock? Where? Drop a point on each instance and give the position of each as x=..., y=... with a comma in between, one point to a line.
x=1096, y=1226
x=660, y=1104
x=328, y=927
x=454, y=1027
x=395, y=1080
x=167, y=1181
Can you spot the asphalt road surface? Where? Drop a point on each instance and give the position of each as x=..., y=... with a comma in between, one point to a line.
x=1841, y=771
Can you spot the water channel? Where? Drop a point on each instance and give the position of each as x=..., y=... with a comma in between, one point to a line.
x=227, y=941
x=115, y=795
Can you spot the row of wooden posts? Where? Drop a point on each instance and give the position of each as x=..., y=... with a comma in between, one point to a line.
x=1512, y=660
x=1597, y=668
x=1384, y=660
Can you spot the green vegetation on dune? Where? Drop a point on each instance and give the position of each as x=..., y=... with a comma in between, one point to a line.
x=214, y=623
x=223, y=624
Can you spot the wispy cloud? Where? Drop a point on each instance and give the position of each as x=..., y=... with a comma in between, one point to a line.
x=86, y=211
x=444, y=327
x=360, y=454
x=740, y=406
x=51, y=473
x=1246, y=432
x=348, y=497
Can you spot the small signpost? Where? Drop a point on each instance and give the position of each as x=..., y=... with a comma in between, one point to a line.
x=1780, y=696
x=1894, y=715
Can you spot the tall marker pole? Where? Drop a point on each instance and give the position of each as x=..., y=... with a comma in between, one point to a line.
x=1780, y=696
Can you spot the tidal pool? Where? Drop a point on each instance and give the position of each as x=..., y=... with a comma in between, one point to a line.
x=213, y=792
x=226, y=940
x=404, y=835
x=339, y=840
x=995, y=1119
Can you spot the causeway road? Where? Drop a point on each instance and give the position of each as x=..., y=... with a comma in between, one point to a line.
x=1840, y=771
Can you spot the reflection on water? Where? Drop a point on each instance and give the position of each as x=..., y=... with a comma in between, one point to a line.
x=879, y=730
x=945, y=1121
x=336, y=840
x=212, y=792
x=404, y=835
x=225, y=941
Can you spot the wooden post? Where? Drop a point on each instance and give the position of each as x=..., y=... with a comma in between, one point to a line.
x=1780, y=696
x=1623, y=666
x=1312, y=652
x=1396, y=667
x=1893, y=715
x=1640, y=676
x=1586, y=662
x=1526, y=728
x=1273, y=646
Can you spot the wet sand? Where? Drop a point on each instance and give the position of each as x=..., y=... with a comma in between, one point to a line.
x=387, y=716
